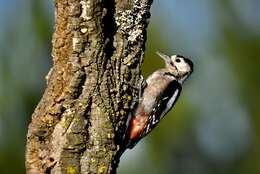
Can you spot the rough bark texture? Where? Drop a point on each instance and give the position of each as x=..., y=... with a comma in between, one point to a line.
x=98, y=47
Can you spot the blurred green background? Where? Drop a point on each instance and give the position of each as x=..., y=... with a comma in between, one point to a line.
x=214, y=127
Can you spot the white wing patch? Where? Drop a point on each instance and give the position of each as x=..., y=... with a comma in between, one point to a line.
x=170, y=103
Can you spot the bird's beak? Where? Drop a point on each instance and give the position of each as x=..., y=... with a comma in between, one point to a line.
x=165, y=57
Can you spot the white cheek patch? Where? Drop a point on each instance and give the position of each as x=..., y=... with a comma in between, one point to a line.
x=183, y=67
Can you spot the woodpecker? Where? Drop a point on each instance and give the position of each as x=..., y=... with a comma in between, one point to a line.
x=162, y=89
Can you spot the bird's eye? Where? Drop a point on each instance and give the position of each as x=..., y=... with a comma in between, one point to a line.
x=178, y=60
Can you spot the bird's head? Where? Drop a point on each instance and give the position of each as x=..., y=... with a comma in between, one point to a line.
x=179, y=66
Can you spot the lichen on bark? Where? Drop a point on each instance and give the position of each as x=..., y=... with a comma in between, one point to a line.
x=98, y=48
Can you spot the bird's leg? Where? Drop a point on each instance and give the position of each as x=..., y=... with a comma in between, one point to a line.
x=142, y=86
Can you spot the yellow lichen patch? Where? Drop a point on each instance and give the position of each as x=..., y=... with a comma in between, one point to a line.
x=110, y=136
x=113, y=113
x=52, y=111
x=102, y=169
x=122, y=112
x=126, y=98
x=120, y=123
x=93, y=160
x=63, y=122
x=48, y=119
x=129, y=98
x=71, y=170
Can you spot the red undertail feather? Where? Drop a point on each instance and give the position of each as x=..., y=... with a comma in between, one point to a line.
x=137, y=124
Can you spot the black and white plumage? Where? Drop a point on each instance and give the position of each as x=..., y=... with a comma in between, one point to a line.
x=159, y=96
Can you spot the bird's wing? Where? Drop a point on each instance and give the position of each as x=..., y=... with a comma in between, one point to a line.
x=166, y=102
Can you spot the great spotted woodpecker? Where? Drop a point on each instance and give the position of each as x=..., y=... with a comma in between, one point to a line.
x=163, y=88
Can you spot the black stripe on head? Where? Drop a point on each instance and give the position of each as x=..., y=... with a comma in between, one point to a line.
x=190, y=63
x=180, y=56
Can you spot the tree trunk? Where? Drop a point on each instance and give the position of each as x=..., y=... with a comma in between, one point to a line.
x=98, y=47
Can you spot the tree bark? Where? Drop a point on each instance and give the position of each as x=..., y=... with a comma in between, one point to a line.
x=98, y=47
